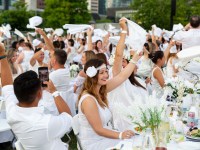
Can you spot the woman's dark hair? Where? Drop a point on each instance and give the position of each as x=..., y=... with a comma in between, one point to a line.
x=146, y=45
x=83, y=41
x=156, y=55
x=71, y=41
x=62, y=44
x=14, y=45
x=56, y=44
x=133, y=81
x=96, y=48
x=37, y=50
x=102, y=56
x=110, y=48
x=26, y=86
x=29, y=45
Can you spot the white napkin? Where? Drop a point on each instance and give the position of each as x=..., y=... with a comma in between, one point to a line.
x=34, y=22
x=76, y=28
x=17, y=32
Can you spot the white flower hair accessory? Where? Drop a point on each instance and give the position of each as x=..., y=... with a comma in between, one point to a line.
x=92, y=71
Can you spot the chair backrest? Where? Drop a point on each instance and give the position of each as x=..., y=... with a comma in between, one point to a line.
x=18, y=145
x=75, y=124
x=76, y=129
x=2, y=105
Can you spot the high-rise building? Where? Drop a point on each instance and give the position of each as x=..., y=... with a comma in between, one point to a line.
x=35, y=5
x=109, y=3
x=6, y=4
x=93, y=6
x=121, y=3
x=102, y=7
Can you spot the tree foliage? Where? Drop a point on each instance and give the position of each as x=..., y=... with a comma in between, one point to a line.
x=149, y=12
x=17, y=17
x=59, y=12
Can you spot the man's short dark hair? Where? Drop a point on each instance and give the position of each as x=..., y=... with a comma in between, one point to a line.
x=14, y=45
x=71, y=41
x=61, y=56
x=26, y=86
x=195, y=21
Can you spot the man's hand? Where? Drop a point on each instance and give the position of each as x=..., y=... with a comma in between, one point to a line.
x=89, y=32
x=50, y=86
x=122, y=23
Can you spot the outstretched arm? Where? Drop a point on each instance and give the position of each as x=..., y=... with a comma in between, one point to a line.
x=119, y=49
x=46, y=39
x=89, y=34
x=6, y=75
x=123, y=75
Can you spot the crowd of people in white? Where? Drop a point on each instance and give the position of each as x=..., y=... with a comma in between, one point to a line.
x=111, y=71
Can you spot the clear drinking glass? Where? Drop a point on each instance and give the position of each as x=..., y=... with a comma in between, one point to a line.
x=148, y=141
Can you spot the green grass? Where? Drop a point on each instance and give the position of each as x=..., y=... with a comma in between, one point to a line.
x=72, y=143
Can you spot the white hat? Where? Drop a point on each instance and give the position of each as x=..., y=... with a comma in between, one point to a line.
x=177, y=27
x=34, y=22
x=36, y=42
x=137, y=36
x=173, y=49
x=17, y=32
x=59, y=32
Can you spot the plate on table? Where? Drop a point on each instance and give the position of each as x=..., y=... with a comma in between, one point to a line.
x=193, y=135
x=137, y=130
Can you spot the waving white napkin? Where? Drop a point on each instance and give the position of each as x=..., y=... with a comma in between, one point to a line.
x=157, y=31
x=177, y=27
x=76, y=28
x=6, y=30
x=58, y=32
x=137, y=36
x=34, y=22
x=17, y=32
x=48, y=29
x=100, y=32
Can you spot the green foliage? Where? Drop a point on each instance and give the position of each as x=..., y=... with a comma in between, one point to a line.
x=18, y=17
x=149, y=12
x=59, y=12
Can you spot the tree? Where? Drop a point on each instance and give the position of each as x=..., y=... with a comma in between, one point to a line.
x=59, y=12
x=18, y=17
x=149, y=12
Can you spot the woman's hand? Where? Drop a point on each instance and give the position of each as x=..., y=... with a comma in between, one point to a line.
x=127, y=134
x=122, y=23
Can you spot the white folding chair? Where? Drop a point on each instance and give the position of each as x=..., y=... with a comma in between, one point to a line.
x=75, y=126
x=18, y=145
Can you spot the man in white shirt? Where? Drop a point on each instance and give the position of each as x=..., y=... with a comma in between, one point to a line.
x=34, y=129
x=192, y=36
x=61, y=77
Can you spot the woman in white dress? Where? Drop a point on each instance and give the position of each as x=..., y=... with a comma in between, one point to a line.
x=129, y=91
x=25, y=56
x=172, y=60
x=71, y=51
x=15, y=68
x=94, y=115
x=157, y=75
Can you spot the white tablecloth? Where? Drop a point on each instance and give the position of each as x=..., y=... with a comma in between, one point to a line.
x=129, y=144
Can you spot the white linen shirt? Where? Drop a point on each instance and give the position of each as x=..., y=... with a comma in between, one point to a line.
x=34, y=129
x=188, y=38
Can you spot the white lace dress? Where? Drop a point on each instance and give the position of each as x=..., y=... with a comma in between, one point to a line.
x=90, y=140
x=26, y=61
x=170, y=71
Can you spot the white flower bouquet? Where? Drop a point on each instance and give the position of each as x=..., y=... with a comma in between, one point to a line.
x=74, y=69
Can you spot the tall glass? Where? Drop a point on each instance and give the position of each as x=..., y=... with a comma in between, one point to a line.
x=161, y=140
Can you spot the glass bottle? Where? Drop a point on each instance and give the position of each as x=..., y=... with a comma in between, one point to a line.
x=148, y=141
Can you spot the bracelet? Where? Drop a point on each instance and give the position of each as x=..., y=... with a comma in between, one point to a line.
x=2, y=57
x=133, y=61
x=120, y=135
x=55, y=94
x=124, y=31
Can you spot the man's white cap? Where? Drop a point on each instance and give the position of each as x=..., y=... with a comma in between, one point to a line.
x=177, y=27
x=173, y=49
x=36, y=42
x=34, y=22
x=59, y=32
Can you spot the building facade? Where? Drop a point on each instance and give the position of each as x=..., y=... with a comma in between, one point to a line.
x=93, y=6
